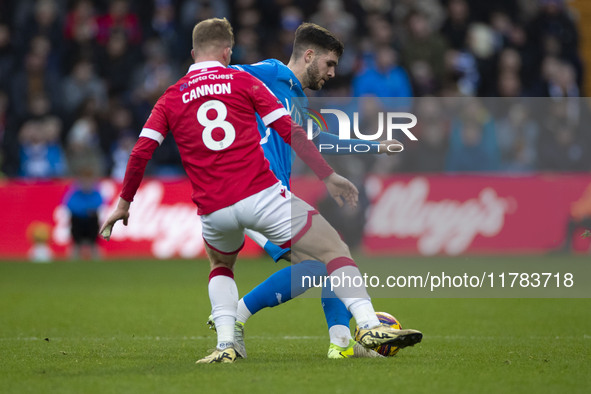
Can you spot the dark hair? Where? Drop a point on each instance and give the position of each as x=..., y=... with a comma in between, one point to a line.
x=310, y=35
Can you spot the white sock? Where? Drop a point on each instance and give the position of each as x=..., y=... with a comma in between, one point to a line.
x=223, y=295
x=242, y=312
x=224, y=326
x=347, y=282
x=348, y=285
x=364, y=314
x=339, y=335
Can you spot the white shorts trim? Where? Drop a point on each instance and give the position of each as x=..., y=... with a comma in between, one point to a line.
x=274, y=212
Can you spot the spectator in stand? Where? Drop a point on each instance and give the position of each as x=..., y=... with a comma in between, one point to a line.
x=154, y=76
x=81, y=20
x=3, y=126
x=83, y=84
x=432, y=131
x=333, y=16
x=247, y=47
x=462, y=75
x=455, y=27
x=8, y=58
x=119, y=18
x=193, y=11
x=249, y=33
x=562, y=147
x=517, y=135
x=43, y=21
x=482, y=45
x=502, y=26
x=120, y=154
x=80, y=32
x=41, y=154
x=3, y=115
x=32, y=81
x=118, y=135
x=510, y=61
x=41, y=45
x=432, y=10
x=553, y=32
x=383, y=77
x=164, y=26
x=446, y=47
x=83, y=141
x=561, y=84
x=38, y=107
x=473, y=145
x=381, y=32
x=509, y=74
x=538, y=82
x=117, y=65
x=509, y=85
x=291, y=18
x=424, y=45
x=562, y=81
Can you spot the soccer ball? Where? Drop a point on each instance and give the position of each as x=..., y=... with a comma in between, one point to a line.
x=387, y=350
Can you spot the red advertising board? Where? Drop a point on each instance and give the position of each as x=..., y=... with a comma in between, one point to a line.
x=427, y=215
x=163, y=220
x=472, y=214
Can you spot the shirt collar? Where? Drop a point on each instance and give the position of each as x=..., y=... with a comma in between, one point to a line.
x=206, y=64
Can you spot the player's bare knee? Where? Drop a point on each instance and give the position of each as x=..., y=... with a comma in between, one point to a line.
x=217, y=259
x=213, y=264
x=336, y=250
x=326, y=251
x=299, y=256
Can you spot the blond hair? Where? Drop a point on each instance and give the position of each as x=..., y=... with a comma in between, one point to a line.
x=213, y=33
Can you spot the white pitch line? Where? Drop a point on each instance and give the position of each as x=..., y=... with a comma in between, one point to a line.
x=286, y=337
x=151, y=338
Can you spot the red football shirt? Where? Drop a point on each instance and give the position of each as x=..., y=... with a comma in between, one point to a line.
x=211, y=114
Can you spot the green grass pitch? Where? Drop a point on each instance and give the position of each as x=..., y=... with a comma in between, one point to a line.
x=138, y=327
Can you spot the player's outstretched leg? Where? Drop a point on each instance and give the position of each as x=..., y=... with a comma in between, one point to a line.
x=278, y=288
x=323, y=242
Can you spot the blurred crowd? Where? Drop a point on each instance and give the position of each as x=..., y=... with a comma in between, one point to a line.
x=78, y=78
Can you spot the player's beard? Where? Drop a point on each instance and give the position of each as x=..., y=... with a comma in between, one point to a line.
x=313, y=76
